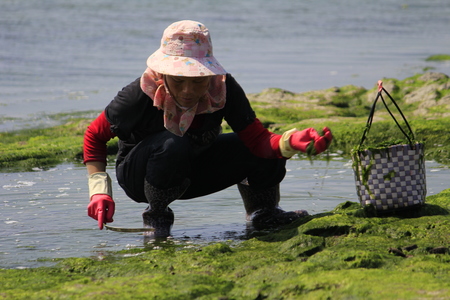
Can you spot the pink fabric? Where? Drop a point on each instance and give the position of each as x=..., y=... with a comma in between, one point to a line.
x=186, y=50
x=178, y=119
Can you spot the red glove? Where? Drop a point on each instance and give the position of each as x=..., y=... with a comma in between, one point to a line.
x=101, y=208
x=300, y=140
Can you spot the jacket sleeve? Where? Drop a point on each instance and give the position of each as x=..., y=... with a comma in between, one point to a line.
x=260, y=141
x=242, y=119
x=96, y=136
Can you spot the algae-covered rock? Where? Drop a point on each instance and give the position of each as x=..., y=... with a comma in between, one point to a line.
x=423, y=98
x=438, y=57
x=347, y=253
x=344, y=253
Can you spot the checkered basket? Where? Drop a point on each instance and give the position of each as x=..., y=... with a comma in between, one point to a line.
x=390, y=178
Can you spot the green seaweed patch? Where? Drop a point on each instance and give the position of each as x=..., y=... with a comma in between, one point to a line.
x=286, y=111
x=438, y=57
x=389, y=175
x=339, y=254
x=44, y=147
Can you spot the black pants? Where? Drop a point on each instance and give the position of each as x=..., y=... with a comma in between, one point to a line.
x=165, y=160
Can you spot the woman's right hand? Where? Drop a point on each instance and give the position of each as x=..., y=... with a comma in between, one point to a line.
x=101, y=208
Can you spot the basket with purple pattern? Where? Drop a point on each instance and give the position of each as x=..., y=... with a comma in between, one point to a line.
x=392, y=177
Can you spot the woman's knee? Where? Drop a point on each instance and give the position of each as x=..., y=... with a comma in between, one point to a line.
x=161, y=159
x=267, y=173
x=170, y=164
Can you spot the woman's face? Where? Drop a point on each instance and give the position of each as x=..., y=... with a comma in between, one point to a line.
x=187, y=91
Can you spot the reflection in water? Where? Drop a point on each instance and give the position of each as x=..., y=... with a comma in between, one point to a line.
x=43, y=213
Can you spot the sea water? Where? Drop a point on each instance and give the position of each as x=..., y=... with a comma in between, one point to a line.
x=43, y=213
x=63, y=57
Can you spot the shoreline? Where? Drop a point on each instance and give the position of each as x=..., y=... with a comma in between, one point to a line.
x=346, y=252
x=423, y=98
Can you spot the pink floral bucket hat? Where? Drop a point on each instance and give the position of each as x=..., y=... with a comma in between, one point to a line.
x=186, y=50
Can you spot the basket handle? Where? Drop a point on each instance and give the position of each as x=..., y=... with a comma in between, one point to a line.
x=410, y=137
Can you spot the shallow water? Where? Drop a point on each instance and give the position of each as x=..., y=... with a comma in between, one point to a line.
x=43, y=213
x=66, y=57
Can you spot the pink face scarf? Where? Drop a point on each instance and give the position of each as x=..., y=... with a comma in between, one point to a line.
x=178, y=119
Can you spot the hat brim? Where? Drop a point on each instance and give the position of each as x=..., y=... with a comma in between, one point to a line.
x=184, y=66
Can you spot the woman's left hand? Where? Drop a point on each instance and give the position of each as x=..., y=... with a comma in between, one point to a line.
x=301, y=140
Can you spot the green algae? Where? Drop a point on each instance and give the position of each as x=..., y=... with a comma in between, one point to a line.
x=44, y=147
x=344, y=110
x=346, y=253
x=438, y=57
